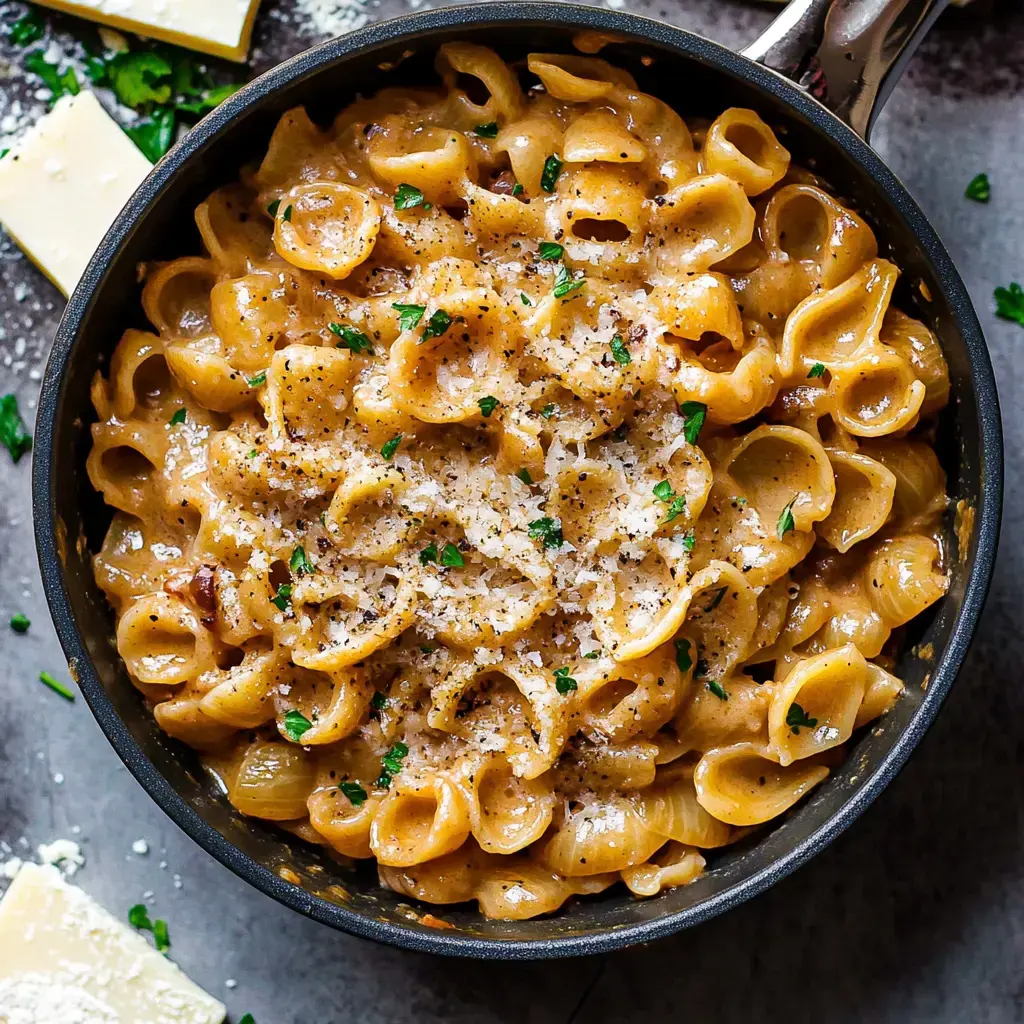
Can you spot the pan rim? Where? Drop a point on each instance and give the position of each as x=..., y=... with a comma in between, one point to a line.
x=685, y=45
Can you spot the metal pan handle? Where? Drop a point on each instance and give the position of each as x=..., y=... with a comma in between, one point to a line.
x=847, y=53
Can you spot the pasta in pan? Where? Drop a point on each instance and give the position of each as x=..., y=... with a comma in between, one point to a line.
x=525, y=488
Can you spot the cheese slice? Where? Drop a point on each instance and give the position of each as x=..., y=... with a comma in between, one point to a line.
x=220, y=27
x=64, y=182
x=63, y=958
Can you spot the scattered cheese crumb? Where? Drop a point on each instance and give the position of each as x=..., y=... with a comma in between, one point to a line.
x=141, y=847
x=63, y=853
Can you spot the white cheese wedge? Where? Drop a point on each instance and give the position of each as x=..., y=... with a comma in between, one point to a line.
x=64, y=182
x=220, y=27
x=63, y=958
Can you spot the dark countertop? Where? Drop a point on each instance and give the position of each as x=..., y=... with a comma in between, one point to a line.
x=916, y=914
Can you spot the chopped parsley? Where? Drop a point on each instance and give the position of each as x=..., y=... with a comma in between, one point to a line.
x=389, y=448
x=1010, y=303
x=27, y=30
x=676, y=502
x=717, y=599
x=438, y=323
x=817, y=370
x=283, y=597
x=428, y=554
x=525, y=299
x=552, y=169
x=378, y=701
x=409, y=314
x=694, y=414
x=487, y=131
x=517, y=189
x=524, y=475
x=58, y=687
x=786, y=523
x=391, y=764
x=287, y=215
x=14, y=435
x=355, y=793
x=408, y=196
x=452, y=557
x=683, y=659
x=619, y=351
x=258, y=380
x=487, y=405
x=592, y=656
x=564, y=683
x=179, y=417
x=138, y=917
x=20, y=623
x=548, y=531
x=247, y=1018
x=689, y=540
x=296, y=725
x=979, y=188
x=550, y=251
x=253, y=453
x=273, y=207
x=796, y=718
x=717, y=689
x=300, y=564
x=548, y=411
x=60, y=83
x=154, y=135
x=355, y=341
x=565, y=283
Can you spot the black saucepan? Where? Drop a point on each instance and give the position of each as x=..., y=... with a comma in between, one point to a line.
x=846, y=54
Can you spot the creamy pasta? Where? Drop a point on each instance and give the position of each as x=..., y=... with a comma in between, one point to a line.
x=525, y=488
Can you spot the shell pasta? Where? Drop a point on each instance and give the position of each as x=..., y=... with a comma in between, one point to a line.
x=524, y=489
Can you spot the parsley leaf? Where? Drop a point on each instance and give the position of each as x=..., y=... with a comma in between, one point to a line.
x=60, y=83
x=717, y=689
x=408, y=196
x=154, y=136
x=300, y=564
x=391, y=763
x=694, y=414
x=138, y=77
x=487, y=131
x=1010, y=303
x=287, y=215
x=619, y=351
x=517, y=189
x=14, y=435
x=689, y=540
x=58, y=687
x=797, y=717
x=28, y=29
x=273, y=207
x=565, y=283
x=564, y=683
x=676, y=502
x=550, y=251
x=548, y=411
x=979, y=188
x=409, y=314
x=452, y=557
x=378, y=701
x=552, y=169
x=258, y=380
x=283, y=597
x=355, y=341
x=524, y=475
x=438, y=323
x=546, y=530
x=296, y=725
x=389, y=448
x=683, y=659
x=428, y=554
x=525, y=299
x=355, y=793
x=138, y=917
x=247, y=1018
x=817, y=370
x=209, y=99
x=786, y=523
x=20, y=623
x=179, y=417
x=487, y=405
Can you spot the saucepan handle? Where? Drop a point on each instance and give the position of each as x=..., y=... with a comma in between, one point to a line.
x=847, y=53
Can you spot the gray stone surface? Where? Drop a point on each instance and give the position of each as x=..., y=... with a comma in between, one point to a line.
x=916, y=914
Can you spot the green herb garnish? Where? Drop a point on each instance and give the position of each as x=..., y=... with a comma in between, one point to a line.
x=20, y=623
x=355, y=793
x=28, y=29
x=391, y=764
x=179, y=417
x=619, y=351
x=676, y=502
x=550, y=251
x=389, y=448
x=786, y=523
x=552, y=169
x=58, y=687
x=138, y=917
x=428, y=554
x=300, y=564
x=796, y=718
x=355, y=341
x=14, y=435
x=487, y=405
x=565, y=283
x=1010, y=303
x=689, y=540
x=154, y=135
x=409, y=314
x=452, y=557
x=296, y=725
x=273, y=207
x=564, y=683
x=524, y=475
x=378, y=701
x=683, y=659
x=979, y=188
x=517, y=189
x=487, y=131
x=525, y=299
x=817, y=370
x=139, y=77
x=258, y=380
x=548, y=411
x=548, y=531
x=717, y=689
x=60, y=83
x=438, y=323
x=283, y=597
x=408, y=196
x=694, y=414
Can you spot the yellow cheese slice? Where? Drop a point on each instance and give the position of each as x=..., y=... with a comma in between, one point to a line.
x=220, y=27
x=64, y=182
x=64, y=958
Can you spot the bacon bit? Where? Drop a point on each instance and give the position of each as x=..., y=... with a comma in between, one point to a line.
x=203, y=592
x=435, y=922
x=636, y=334
x=503, y=185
